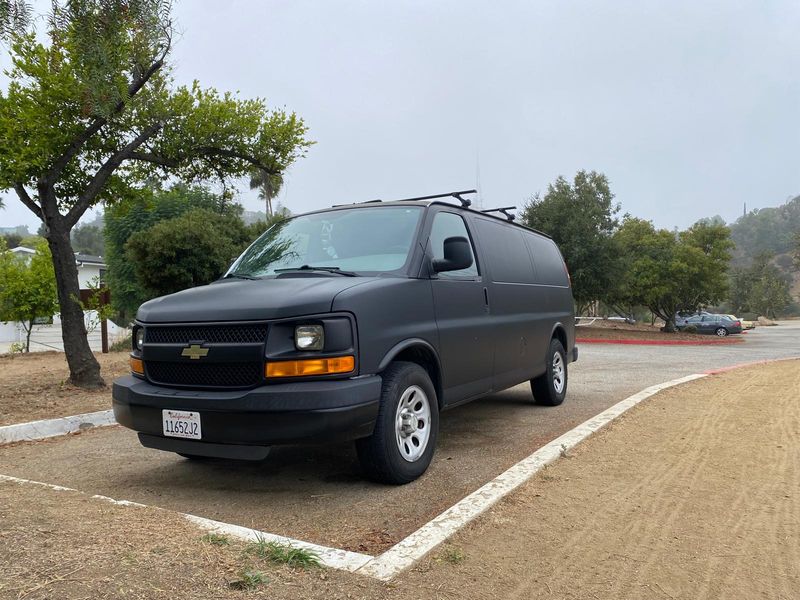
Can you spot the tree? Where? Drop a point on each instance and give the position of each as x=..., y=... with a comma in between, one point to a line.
x=760, y=288
x=668, y=272
x=12, y=240
x=581, y=219
x=27, y=289
x=14, y=16
x=268, y=186
x=796, y=250
x=190, y=250
x=88, y=239
x=90, y=115
x=150, y=206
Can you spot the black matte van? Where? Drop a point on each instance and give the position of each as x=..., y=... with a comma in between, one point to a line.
x=360, y=322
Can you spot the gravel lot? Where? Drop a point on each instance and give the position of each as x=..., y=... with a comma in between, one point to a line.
x=317, y=493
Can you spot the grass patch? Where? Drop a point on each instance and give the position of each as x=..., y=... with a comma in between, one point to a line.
x=249, y=579
x=216, y=539
x=453, y=555
x=283, y=554
x=121, y=345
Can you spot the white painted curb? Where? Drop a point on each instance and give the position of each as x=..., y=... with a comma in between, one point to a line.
x=330, y=557
x=39, y=430
x=406, y=552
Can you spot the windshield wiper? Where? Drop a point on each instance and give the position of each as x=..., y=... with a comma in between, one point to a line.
x=241, y=276
x=335, y=270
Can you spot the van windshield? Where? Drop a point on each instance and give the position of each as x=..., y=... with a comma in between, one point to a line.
x=362, y=240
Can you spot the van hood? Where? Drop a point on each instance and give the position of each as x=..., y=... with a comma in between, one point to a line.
x=249, y=300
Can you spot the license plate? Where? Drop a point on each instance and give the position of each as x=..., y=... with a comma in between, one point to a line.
x=181, y=423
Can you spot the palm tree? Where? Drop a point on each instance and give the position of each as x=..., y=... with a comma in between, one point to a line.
x=268, y=186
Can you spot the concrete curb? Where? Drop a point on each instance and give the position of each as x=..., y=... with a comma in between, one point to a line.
x=411, y=549
x=39, y=430
x=330, y=557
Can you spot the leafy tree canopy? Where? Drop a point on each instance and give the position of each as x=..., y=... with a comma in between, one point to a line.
x=88, y=239
x=149, y=207
x=668, y=272
x=581, y=218
x=27, y=288
x=760, y=288
x=91, y=115
x=192, y=249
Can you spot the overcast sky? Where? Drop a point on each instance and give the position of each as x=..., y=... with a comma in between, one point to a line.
x=691, y=109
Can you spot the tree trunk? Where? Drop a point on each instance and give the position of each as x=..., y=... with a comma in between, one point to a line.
x=28, y=336
x=84, y=370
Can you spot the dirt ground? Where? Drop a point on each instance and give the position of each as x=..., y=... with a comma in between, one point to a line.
x=618, y=330
x=34, y=386
x=693, y=494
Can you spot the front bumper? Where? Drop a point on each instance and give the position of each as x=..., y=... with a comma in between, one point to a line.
x=313, y=411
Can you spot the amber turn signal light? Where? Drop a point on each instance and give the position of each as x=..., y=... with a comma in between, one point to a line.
x=314, y=366
x=137, y=366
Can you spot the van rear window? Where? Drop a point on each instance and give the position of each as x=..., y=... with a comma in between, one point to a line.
x=508, y=257
x=549, y=264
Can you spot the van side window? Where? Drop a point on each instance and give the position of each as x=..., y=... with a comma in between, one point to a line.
x=447, y=225
x=548, y=261
x=508, y=258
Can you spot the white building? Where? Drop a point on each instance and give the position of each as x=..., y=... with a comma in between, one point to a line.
x=91, y=271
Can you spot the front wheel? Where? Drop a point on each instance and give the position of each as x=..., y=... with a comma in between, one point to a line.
x=721, y=331
x=402, y=445
x=550, y=388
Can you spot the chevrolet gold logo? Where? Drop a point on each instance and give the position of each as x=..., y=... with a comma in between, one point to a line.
x=195, y=352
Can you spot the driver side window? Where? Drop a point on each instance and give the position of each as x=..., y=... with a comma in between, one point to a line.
x=447, y=225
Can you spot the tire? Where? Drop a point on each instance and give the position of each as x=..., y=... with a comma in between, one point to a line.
x=550, y=388
x=401, y=447
x=721, y=331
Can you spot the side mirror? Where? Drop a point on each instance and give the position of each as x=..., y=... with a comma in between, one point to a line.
x=457, y=255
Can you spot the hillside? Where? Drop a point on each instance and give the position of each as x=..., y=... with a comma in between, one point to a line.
x=766, y=230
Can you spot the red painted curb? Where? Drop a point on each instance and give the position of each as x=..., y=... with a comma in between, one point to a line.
x=659, y=342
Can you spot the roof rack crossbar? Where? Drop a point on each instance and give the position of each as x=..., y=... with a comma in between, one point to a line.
x=465, y=202
x=504, y=210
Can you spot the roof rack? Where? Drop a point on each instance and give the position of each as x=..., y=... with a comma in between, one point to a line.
x=465, y=202
x=504, y=210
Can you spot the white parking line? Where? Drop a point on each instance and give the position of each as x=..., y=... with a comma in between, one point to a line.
x=411, y=549
x=330, y=557
x=39, y=430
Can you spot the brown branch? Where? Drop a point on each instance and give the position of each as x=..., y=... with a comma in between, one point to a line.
x=214, y=151
x=25, y=198
x=155, y=159
x=101, y=177
x=98, y=122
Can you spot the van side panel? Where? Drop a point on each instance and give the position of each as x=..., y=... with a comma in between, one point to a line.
x=551, y=275
x=521, y=331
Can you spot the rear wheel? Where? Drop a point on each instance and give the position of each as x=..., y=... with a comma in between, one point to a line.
x=550, y=388
x=721, y=331
x=404, y=440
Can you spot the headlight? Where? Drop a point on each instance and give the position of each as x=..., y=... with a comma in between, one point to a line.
x=309, y=337
x=139, y=339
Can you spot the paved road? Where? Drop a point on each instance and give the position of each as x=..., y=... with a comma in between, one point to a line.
x=317, y=494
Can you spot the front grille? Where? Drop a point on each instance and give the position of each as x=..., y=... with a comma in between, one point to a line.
x=240, y=375
x=210, y=334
